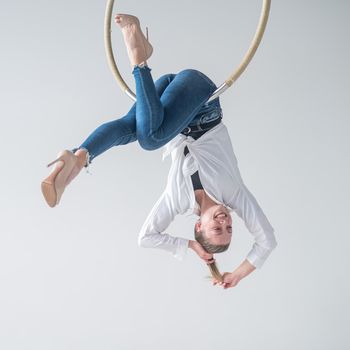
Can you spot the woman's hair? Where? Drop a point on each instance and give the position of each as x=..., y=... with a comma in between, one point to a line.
x=212, y=249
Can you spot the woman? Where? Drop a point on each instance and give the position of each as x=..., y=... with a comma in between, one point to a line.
x=204, y=178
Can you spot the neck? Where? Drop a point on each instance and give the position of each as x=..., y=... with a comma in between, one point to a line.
x=204, y=201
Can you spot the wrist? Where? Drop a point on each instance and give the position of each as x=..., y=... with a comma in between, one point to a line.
x=244, y=269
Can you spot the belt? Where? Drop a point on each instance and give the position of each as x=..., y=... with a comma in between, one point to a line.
x=201, y=127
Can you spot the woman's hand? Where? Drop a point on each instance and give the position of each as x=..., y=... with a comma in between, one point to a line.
x=200, y=251
x=230, y=279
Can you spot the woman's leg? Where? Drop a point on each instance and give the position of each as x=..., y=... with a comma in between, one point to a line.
x=161, y=118
x=117, y=132
x=112, y=133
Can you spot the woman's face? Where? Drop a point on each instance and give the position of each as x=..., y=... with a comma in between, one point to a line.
x=216, y=225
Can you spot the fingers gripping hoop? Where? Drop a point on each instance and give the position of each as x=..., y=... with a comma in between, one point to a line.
x=223, y=87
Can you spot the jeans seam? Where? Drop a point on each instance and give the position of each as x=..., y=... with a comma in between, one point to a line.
x=147, y=103
x=121, y=137
x=92, y=156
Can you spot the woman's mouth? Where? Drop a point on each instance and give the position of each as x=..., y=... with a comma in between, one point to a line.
x=220, y=214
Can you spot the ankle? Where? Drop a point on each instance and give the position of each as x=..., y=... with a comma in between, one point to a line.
x=83, y=156
x=143, y=64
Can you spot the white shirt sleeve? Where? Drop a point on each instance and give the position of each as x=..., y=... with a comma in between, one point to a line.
x=258, y=225
x=152, y=233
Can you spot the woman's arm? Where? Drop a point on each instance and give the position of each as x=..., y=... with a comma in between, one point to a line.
x=231, y=279
x=248, y=209
x=153, y=235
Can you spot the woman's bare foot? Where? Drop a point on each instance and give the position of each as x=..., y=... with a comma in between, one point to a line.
x=138, y=47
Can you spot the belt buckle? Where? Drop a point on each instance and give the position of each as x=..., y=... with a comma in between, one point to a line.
x=187, y=130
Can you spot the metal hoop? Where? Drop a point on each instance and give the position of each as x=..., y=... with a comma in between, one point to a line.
x=223, y=87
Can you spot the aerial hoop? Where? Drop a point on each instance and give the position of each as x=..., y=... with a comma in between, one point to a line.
x=223, y=87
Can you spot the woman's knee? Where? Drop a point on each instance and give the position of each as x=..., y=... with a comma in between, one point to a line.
x=165, y=78
x=150, y=141
x=197, y=75
x=147, y=143
x=162, y=83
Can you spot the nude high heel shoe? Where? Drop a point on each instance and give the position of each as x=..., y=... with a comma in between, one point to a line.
x=54, y=185
x=138, y=46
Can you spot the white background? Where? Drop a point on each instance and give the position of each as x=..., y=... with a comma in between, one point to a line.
x=73, y=277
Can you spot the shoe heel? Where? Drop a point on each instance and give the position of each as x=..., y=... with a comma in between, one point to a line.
x=55, y=161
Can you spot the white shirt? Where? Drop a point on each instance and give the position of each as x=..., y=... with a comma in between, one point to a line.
x=213, y=157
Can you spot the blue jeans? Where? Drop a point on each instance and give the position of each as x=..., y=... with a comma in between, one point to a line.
x=163, y=109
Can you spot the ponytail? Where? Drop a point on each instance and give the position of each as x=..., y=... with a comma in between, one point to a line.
x=215, y=273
